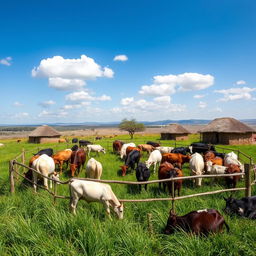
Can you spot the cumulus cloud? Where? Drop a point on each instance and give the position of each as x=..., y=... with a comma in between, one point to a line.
x=240, y=82
x=127, y=101
x=84, y=95
x=199, y=96
x=202, y=104
x=17, y=104
x=65, y=84
x=6, y=61
x=169, y=84
x=162, y=100
x=236, y=93
x=47, y=103
x=120, y=58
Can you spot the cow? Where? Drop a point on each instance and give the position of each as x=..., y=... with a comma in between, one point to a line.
x=201, y=147
x=201, y=222
x=74, y=148
x=95, y=148
x=123, y=149
x=61, y=157
x=1, y=144
x=164, y=150
x=232, y=160
x=92, y=191
x=132, y=159
x=183, y=150
x=214, y=169
x=130, y=149
x=44, y=165
x=154, y=144
x=62, y=140
x=145, y=147
x=18, y=141
x=167, y=171
x=231, y=181
x=117, y=145
x=46, y=151
x=77, y=161
x=175, y=158
x=232, y=154
x=196, y=165
x=155, y=158
x=93, y=169
x=209, y=155
x=84, y=143
x=142, y=174
x=244, y=207
x=98, y=138
x=74, y=140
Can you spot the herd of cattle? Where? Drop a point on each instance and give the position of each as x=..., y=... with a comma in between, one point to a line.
x=202, y=158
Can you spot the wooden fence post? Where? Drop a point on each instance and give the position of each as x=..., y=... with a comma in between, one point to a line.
x=23, y=159
x=248, y=191
x=11, y=176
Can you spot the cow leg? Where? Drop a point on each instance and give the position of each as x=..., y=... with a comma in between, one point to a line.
x=106, y=205
x=45, y=182
x=154, y=167
x=146, y=185
x=34, y=180
x=61, y=165
x=73, y=204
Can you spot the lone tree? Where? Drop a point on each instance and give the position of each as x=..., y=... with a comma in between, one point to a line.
x=131, y=126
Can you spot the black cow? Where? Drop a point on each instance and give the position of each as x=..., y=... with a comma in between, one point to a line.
x=74, y=140
x=221, y=155
x=84, y=143
x=152, y=143
x=245, y=207
x=74, y=148
x=132, y=159
x=201, y=147
x=47, y=151
x=142, y=174
x=182, y=150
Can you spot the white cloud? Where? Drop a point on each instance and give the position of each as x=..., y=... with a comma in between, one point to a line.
x=202, y=104
x=17, y=104
x=217, y=109
x=65, y=84
x=21, y=115
x=74, y=106
x=236, y=93
x=240, y=82
x=199, y=96
x=163, y=100
x=127, y=101
x=45, y=113
x=6, y=61
x=168, y=84
x=47, y=103
x=120, y=58
x=84, y=95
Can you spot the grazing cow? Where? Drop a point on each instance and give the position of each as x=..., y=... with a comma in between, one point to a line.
x=146, y=148
x=245, y=207
x=214, y=169
x=1, y=144
x=167, y=171
x=117, y=145
x=93, y=169
x=98, y=138
x=232, y=154
x=217, y=160
x=18, y=141
x=154, y=158
x=92, y=191
x=77, y=161
x=196, y=164
x=132, y=159
x=154, y=144
x=62, y=140
x=183, y=150
x=95, y=148
x=74, y=148
x=209, y=155
x=84, y=143
x=44, y=165
x=74, y=140
x=142, y=174
x=46, y=151
x=201, y=147
x=61, y=157
x=201, y=222
x=232, y=180
x=130, y=149
x=164, y=150
x=231, y=160
x=175, y=158
x=123, y=149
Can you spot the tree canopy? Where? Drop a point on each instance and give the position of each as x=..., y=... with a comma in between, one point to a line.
x=131, y=126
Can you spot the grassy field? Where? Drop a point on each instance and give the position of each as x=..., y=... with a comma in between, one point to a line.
x=30, y=224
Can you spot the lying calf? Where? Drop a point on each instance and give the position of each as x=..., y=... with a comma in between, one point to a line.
x=198, y=222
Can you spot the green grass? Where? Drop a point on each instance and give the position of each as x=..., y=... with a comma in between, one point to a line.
x=30, y=224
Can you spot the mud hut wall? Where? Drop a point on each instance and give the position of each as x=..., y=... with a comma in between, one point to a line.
x=181, y=136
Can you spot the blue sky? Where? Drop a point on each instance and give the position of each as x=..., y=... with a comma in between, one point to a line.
x=78, y=61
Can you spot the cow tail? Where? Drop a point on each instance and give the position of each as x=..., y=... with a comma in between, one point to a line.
x=227, y=226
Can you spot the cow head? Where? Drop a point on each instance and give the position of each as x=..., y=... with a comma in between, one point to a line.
x=73, y=168
x=148, y=164
x=208, y=166
x=103, y=150
x=171, y=223
x=119, y=210
x=124, y=169
x=234, y=206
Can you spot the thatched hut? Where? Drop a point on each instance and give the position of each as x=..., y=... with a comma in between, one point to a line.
x=174, y=132
x=44, y=134
x=227, y=131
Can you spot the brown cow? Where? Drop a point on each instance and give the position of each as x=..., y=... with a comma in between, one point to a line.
x=146, y=147
x=208, y=156
x=217, y=160
x=166, y=171
x=61, y=157
x=232, y=180
x=175, y=158
x=130, y=149
x=61, y=140
x=117, y=145
x=77, y=160
x=201, y=222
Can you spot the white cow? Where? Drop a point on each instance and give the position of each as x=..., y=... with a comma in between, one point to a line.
x=93, y=169
x=196, y=164
x=230, y=160
x=44, y=164
x=1, y=144
x=92, y=191
x=154, y=158
x=124, y=147
x=214, y=168
x=231, y=154
x=95, y=148
x=164, y=150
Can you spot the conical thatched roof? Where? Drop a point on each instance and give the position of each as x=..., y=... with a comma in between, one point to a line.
x=174, y=129
x=44, y=131
x=227, y=125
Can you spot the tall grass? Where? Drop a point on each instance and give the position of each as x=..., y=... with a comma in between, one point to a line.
x=30, y=224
